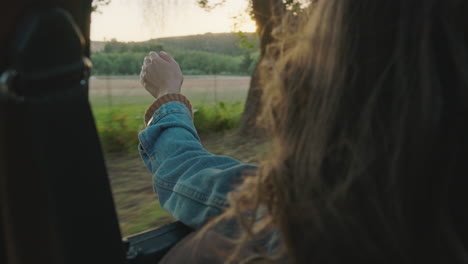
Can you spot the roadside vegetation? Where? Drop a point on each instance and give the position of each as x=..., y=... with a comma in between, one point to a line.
x=119, y=106
x=119, y=127
x=222, y=56
x=119, y=103
x=136, y=202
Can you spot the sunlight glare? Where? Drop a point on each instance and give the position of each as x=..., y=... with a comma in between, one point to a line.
x=135, y=20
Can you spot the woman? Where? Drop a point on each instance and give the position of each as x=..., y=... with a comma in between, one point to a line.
x=369, y=108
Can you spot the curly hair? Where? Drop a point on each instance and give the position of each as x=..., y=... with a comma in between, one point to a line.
x=368, y=104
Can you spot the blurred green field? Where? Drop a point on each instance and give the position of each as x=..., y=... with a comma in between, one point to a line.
x=119, y=104
x=112, y=91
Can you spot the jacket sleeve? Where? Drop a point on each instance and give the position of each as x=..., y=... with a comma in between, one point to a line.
x=192, y=184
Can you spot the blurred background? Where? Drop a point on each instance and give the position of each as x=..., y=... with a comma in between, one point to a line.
x=217, y=49
x=216, y=44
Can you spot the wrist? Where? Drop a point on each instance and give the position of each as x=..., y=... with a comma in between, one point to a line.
x=175, y=88
x=170, y=97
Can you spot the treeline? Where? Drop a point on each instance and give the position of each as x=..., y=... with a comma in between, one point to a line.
x=196, y=55
x=191, y=63
x=220, y=43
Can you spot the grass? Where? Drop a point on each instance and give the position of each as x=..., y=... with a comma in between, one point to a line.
x=115, y=91
x=119, y=118
x=136, y=202
x=137, y=205
x=217, y=118
x=118, y=127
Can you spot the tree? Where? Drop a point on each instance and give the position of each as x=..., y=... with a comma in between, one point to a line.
x=98, y=3
x=266, y=14
x=246, y=62
x=263, y=13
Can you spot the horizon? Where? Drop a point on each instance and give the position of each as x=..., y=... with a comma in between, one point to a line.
x=132, y=21
x=138, y=41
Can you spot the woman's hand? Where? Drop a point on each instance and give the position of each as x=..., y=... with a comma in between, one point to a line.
x=161, y=74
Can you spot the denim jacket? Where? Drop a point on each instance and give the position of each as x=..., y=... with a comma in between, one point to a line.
x=191, y=183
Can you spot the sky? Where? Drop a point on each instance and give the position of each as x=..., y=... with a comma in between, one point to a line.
x=136, y=20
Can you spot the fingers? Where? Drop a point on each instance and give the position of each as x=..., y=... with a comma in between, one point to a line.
x=166, y=56
x=153, y=54
x=162, y=55
x=147, y=60
x=143, y=79
x=156, y=68
x=146, y=77
x=156, y=59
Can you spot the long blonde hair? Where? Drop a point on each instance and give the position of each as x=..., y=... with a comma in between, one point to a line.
x=367, y=102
